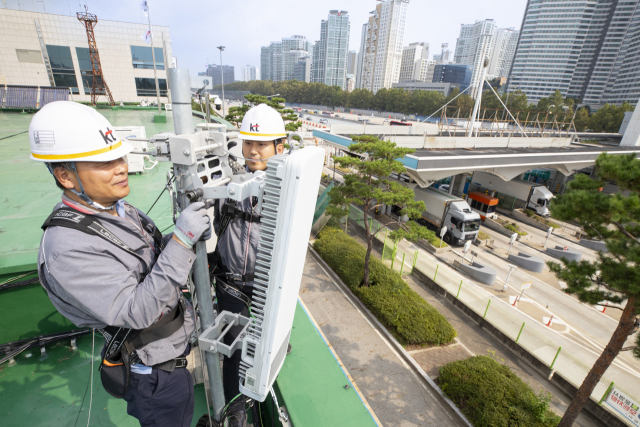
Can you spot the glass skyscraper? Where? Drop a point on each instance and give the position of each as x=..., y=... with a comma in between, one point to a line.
x=329, y=64
x=278, y=60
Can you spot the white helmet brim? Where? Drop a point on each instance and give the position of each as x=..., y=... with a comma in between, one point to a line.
x=106, y=154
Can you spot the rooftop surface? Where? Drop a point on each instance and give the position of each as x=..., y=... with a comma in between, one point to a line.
x=53, y=391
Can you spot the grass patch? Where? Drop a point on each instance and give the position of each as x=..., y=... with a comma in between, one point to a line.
x=548, y=223
x=403, y=312
x=512, y=227
x=483, y=236
x=489, y=394
x=435, y=241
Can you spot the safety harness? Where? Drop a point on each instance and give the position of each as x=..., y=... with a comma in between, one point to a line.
x=121, y=343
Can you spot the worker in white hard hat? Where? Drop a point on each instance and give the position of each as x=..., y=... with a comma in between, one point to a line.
x=237, y=226
x=105, y=265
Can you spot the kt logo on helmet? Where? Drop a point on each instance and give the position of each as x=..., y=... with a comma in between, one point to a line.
x=253, y=128
x=108, y=136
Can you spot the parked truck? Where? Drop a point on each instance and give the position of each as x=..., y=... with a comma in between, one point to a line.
x=531, y=195
x=450, y=212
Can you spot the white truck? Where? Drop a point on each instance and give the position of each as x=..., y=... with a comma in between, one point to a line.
x=450, y=212
x=533, y=196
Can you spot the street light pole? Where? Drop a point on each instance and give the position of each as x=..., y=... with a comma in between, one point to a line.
x=222, y=80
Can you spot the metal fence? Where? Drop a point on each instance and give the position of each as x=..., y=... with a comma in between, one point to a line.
x=560, y=354
x=51, y=94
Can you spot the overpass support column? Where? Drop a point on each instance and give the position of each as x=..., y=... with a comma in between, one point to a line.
x=451, y=184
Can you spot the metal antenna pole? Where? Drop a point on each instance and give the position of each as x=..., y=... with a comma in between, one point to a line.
x=153, y=57
x=181, y=95
x=224, y=114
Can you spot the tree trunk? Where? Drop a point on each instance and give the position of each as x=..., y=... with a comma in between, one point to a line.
x=624, y=328
x=369, y=244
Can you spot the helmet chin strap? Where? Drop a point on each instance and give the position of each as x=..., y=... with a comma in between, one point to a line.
x=84, y=197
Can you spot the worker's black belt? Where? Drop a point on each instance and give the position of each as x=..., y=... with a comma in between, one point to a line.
x=230, y=210
x=231, y=290
x=171, y=365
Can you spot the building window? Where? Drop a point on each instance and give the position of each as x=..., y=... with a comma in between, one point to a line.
x=147, y=87
x=64, y=75
x=32, y=56
x=142, y=57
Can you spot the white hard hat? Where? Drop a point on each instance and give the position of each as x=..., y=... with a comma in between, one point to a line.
x=262, y=123
x=65, y=131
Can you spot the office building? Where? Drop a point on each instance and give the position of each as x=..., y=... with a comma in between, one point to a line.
x=458, y=74
x=352, y=60
x=411, y=85
x=383, y=42
x=329, y=65
x=277, y=61
x=249, y=73
x=216, y=72
x=415, y=62
x=40, y=49
x=445, y=56
x=302, y=70
x=587, y=50
x=361, y=52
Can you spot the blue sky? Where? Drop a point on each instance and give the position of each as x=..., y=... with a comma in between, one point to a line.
x=198, y=26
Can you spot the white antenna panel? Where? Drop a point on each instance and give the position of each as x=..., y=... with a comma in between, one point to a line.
x=291, y=190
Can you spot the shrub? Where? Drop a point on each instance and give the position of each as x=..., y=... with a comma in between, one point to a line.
x=489, y=394
x=515, y=229
x=403, y=312
x=483, y=236
x=435, y=241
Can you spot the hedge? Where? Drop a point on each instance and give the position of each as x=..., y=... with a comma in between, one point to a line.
x=489, y=394
x=403, y=312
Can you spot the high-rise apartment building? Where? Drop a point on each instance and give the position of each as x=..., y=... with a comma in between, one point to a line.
x=265, y=63
x=588, y=50
x=484, y=40
x=302, y=70
x=216, y=72
x=504, y=49
x=277, y=61
x=383, y=42
x=415, y=61
x=249, y=73
x=329, y=64
x=445, y=56
x=352, y=60
x=361, y=52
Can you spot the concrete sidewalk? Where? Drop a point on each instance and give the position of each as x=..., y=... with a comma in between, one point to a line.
x=397, y=396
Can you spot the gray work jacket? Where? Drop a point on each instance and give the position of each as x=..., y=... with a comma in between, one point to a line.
x=239, y=244
x=94, y=283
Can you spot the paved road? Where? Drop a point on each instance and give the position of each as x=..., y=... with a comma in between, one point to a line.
x=396, y=395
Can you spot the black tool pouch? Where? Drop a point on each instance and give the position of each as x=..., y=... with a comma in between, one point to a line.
x=116, y=374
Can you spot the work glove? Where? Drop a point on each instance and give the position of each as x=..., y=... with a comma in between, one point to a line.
x=193, y=223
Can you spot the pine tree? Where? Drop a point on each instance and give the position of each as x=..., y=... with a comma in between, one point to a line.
x=615, y=276
x=236, y=114
x=367, y=186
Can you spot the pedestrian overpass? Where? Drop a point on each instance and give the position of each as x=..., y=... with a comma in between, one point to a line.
x=439, y=157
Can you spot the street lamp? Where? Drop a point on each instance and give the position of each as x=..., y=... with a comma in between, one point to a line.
x=222, y=81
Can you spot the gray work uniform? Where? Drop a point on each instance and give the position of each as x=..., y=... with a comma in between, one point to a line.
x=94, y=283
x=238, y=246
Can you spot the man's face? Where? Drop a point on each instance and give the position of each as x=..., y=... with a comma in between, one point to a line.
x=259, y=150
x=104, y=182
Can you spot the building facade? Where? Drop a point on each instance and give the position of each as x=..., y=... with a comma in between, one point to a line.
x=411, y=85
x=587, y=50
x=216, y=72
x=277, y=61
x=474, y=44
x=351, y=82
x=383, y=44
x=458, y=74
x=329, y=65
x=352, y=60
x=415, y=61
x=504, y=49
x=249, y=73
x=302, y=70
x=39, y=49
x=361, y=53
